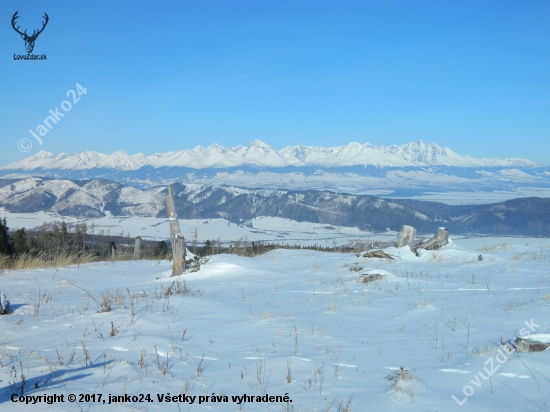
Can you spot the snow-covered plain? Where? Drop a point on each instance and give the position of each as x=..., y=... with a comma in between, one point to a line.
x=246, y=322
x=478, y=197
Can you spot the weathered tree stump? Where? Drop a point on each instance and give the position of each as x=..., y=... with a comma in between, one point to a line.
x=378, y=254
x=406, y=236
x=172, y=215
x=430, y=244
x=177, y=240
x=4, y=304
x=367, y=278
x=178, y=250
x=440, y=239
x=531, y=344
x=137, y=248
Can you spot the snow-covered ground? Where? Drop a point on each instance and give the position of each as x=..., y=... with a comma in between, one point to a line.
x=292, y=323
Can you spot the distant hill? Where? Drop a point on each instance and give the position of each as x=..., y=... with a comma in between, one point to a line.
x=99, y=197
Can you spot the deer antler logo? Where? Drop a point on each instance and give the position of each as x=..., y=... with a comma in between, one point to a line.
x=29, y=40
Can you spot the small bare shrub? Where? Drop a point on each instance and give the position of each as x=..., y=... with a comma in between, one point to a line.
x=162, y=366
x=405, y=382
x=141, y=362
x=199, y=366
x=86, y=354
x=337, y=363
x=114, y=330
x=331, y=306
x=119, y=299
x=105, y=305
x=14, y=388
x=356, y=268
x=176, y=288
x=342, y=406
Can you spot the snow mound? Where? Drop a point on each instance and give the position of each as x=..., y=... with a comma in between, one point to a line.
x=538, y=337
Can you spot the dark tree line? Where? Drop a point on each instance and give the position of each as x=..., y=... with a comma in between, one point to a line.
x=61, y=239
x=242, y=247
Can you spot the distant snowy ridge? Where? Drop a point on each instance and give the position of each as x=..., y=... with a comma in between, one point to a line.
x=260, y=154
x=92, y=199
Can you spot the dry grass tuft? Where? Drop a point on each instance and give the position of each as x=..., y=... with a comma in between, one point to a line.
x=491, y=248
x=331, y=305
x=435, y=257
x=484, y=350
x=43, y=260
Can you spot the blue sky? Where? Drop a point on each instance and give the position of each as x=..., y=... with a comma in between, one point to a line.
x=170, y=75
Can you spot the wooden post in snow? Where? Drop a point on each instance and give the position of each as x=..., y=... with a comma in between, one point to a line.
x=178, y=251
x=4, y=304
x=137, y=248
x=176, y=239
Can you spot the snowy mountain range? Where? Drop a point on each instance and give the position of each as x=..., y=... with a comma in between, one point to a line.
x=261, y=155
x=414, y=170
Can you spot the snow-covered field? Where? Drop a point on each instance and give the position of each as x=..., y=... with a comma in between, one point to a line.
x=264, y=229
x=292, y=323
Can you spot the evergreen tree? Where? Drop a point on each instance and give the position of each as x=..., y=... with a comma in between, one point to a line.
x=5, y=245
x=64, y=234
x=161, y=250
x=207, y=248
x=19, y=241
